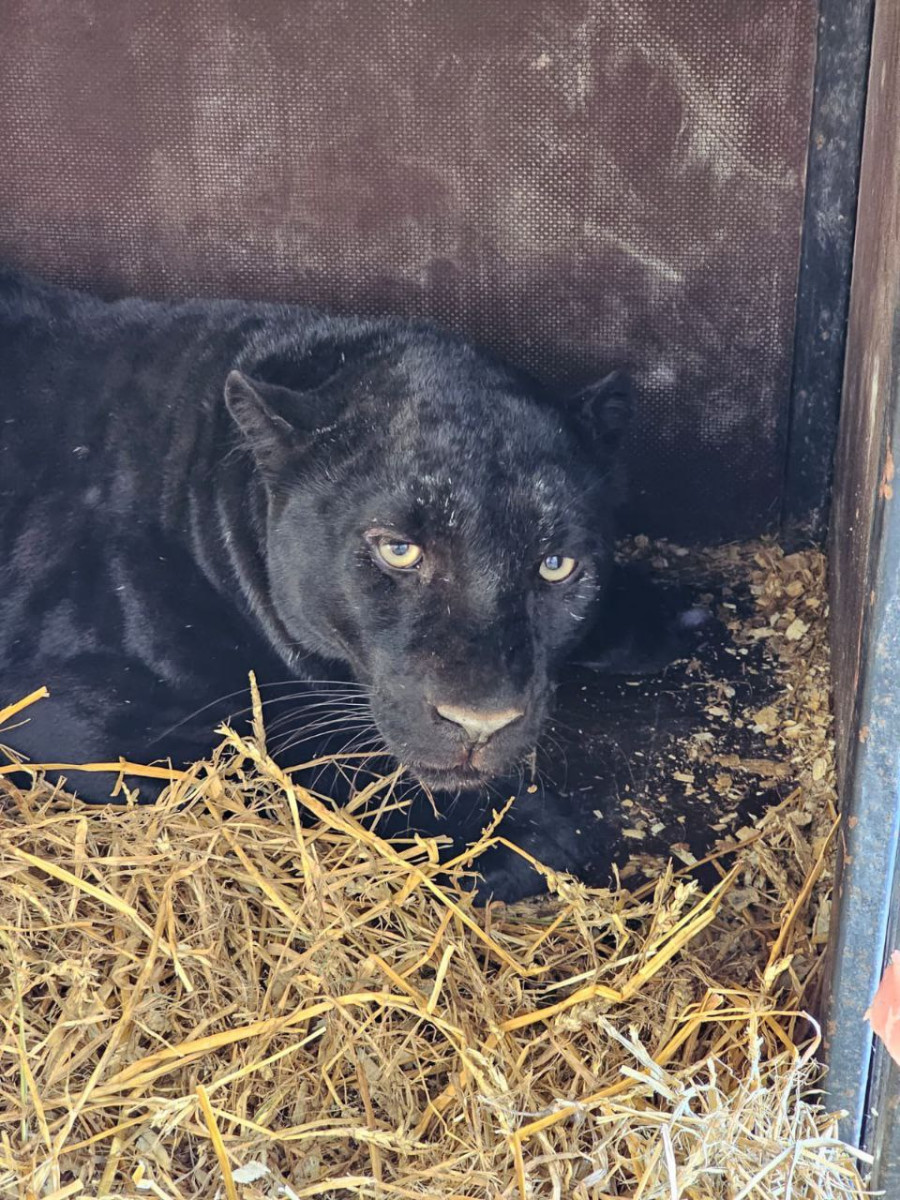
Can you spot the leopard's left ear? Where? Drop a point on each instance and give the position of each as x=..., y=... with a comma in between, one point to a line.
x=602, y=410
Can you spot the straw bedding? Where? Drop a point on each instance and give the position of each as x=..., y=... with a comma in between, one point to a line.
x=244, y=992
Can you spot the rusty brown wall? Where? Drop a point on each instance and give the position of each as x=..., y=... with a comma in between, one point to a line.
x=574, y=182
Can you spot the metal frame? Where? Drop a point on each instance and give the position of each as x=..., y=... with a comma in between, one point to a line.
x=823, y=295
x=862, y=1080
x=865, y=588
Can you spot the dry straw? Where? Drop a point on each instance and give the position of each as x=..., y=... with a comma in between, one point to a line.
x=245, y=992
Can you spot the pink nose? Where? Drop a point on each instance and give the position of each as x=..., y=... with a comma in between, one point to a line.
x=479, y=725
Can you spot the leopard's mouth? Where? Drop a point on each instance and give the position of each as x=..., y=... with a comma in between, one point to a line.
x=467, y=773
x=449, y=779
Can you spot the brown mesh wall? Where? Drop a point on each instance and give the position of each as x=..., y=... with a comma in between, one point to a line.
x=576, y=183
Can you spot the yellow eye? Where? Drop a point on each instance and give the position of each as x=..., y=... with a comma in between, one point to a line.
x=402, y=556
x=556, y=568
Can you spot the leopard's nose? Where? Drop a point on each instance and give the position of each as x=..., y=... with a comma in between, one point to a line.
x=479, y=724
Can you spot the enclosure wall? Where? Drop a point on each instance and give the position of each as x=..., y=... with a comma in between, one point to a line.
x=577, y=183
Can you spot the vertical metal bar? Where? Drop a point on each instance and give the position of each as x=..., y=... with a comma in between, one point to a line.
x=881, y=1127
x=832, y=180
x=866, y=920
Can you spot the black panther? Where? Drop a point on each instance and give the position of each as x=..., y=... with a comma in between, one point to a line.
x=401, y=536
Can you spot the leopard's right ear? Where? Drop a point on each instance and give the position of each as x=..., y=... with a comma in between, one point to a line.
x=602, y=410
x=269, y=416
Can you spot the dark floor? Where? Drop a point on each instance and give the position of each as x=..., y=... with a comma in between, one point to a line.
x=663, y=765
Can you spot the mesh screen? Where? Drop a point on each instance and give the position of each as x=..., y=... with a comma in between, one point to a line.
x=576, y=183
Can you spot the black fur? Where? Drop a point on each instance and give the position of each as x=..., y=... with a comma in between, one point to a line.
x=191, y=491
